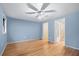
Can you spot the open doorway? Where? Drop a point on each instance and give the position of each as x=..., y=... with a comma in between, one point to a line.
x=60, y=30
x=45, y=31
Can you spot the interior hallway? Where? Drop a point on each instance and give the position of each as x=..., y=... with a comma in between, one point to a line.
x=39, y=48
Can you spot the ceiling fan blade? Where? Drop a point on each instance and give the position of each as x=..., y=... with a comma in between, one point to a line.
x=30, y=12
x=50, y=11
x=32, y=7
x=45, y=5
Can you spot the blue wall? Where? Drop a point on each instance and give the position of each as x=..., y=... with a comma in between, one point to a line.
x=3, y=37
x=72, y=30
x=51, y=30
x=19, y=30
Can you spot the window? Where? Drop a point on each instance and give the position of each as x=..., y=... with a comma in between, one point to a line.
x=4, y=24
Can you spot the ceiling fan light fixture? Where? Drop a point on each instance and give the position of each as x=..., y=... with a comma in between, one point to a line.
x=40, y=12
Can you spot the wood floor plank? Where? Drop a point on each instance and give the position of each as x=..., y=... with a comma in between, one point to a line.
x=39, y=48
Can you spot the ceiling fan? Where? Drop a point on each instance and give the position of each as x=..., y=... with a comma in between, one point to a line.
x=41, y=11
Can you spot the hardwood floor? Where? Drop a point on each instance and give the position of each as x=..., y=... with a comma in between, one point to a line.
x=39, y=48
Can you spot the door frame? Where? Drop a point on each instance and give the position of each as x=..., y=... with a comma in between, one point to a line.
x=63, y=19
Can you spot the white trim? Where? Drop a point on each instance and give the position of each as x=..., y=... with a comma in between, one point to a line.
x=3, y=49
x=72, y=47
x=21, y=41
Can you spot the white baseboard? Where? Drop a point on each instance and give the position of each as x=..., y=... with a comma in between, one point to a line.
x=3, y=49
x=72, y=47
x=21, y=41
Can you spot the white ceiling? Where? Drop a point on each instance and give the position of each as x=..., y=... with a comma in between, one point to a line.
x=17, y=10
